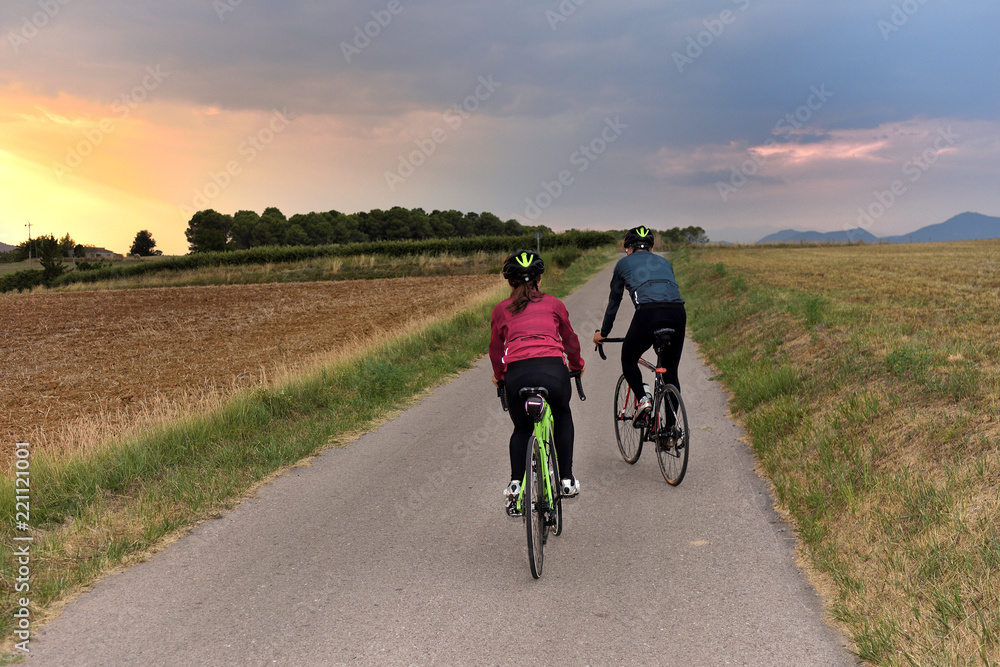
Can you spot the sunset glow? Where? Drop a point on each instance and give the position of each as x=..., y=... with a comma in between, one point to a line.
x=101, y=137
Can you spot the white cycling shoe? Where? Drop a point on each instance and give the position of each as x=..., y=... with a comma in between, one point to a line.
x=570, y=488
x=510, y=495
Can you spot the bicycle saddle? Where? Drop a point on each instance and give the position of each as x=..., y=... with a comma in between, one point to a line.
x=533, y=401
x=661, y=338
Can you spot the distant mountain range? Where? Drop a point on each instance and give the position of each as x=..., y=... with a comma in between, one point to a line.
x=963, y=227
x=4, y=247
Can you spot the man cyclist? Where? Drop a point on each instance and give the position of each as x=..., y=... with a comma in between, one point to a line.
x=531, y=343
x=650, y=282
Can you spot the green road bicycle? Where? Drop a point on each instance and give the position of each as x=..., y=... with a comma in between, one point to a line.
x=540, y=500
x=666, y=425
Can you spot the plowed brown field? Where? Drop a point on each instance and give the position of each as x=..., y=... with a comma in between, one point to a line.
x=80, y=366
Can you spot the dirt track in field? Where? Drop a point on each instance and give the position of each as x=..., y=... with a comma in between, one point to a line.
x=80, y=365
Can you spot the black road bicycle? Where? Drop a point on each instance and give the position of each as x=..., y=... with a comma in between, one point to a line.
x=666, y=425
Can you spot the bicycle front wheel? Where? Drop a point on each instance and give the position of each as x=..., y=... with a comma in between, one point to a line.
x=629, y=437
x=672, y=435
x=532, y=506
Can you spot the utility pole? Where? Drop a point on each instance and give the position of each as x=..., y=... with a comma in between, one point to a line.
x=28, y=225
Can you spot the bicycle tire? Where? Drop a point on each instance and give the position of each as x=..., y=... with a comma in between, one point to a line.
x=532, y=508
x=673, y=447
x=629, y=437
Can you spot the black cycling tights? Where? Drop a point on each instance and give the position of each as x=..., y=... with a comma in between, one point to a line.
x=553, y=376
x=640, y=338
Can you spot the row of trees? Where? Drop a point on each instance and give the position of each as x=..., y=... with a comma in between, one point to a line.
x=64, y=247
x=681, y=235
x=210, y=230
x=49, y=251
x=143, y=246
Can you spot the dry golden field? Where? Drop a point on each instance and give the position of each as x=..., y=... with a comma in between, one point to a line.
x=948, y=277
x=78, y=367
x=868, y=378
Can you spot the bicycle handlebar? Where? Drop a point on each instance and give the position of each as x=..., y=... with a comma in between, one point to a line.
x=573, y=374
x=600, y=346
x=579, y=385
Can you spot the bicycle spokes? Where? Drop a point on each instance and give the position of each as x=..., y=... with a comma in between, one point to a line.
x=672, y=440
x=628, y=436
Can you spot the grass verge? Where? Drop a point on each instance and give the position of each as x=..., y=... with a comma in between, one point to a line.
x=868, y=386
x=100, y=510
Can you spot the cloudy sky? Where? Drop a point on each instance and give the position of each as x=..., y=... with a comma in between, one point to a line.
x=740, y=116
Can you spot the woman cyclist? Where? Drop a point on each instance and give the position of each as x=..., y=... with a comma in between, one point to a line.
x=529, y=334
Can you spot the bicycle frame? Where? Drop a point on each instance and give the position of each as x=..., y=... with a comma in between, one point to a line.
x=543, y=432
x=659, y=385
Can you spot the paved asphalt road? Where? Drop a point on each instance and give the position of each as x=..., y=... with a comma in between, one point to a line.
x=395, y=550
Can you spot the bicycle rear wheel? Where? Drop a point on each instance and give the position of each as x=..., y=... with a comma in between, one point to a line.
x=532, y=506
x=672, y=444
x=629, y=437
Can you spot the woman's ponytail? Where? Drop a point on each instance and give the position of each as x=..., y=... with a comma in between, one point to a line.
x=524, y=293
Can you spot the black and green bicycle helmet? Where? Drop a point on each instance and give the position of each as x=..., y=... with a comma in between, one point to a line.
x=523, y=265
x=640, y=237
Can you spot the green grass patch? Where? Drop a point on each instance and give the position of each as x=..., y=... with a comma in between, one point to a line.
x=757, y=384
x=870, y=403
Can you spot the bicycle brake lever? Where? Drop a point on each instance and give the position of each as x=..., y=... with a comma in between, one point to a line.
x=599, y=347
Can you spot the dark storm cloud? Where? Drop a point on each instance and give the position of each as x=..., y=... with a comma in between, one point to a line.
x=800, y=89
x=749, y=61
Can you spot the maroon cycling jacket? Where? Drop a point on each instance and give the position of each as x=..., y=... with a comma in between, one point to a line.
x=542, y=329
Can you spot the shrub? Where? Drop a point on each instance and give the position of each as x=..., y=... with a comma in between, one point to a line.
x=21, y=280
x=563, y=257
